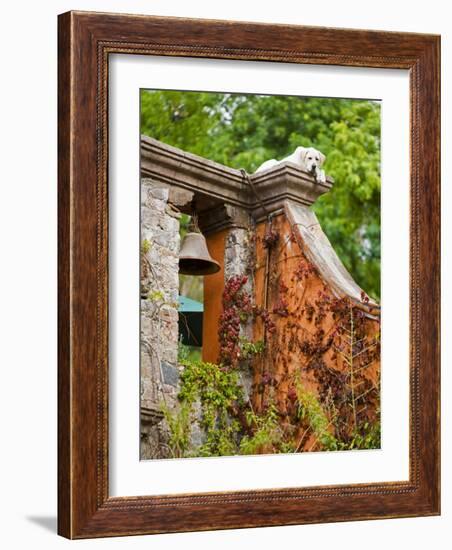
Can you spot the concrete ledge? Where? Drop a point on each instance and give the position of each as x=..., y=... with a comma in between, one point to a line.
x=216, y=185
x=150, y=417
x=172, y=166
x=285, y=182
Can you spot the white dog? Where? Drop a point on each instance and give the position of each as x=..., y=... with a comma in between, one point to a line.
x=307, y=158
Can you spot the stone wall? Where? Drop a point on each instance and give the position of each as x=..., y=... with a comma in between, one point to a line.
x=239, y=259
x=159, y=315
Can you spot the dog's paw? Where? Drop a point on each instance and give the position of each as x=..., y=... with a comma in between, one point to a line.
x=320, y=176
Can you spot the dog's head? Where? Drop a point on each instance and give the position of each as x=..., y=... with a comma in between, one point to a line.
x=312, y=159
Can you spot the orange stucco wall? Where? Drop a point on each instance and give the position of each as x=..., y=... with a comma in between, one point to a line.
x=301, y=324
x=213, y=290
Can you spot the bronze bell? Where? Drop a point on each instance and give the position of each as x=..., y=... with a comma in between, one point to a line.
x=194, y=257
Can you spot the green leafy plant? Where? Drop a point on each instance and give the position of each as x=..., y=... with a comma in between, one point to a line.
x=187, y=353
x=251, y=349
x=156, y=296
x=312, y=413
x=212, y=397
x=217, y=391
x=145, y=246
x=179, y=422
x=267, y=435
x=366, y=436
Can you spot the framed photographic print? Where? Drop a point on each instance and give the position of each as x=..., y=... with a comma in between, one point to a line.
x=248, y=275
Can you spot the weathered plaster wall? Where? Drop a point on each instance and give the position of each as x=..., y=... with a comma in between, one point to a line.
x=298, y=299
x=213, y=290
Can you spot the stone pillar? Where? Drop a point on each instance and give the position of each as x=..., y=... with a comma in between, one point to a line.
x=239, y=259
x=159, y=315
x=234, y=228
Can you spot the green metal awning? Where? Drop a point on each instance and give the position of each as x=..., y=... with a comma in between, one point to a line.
x=190, y=321
x=187, y=305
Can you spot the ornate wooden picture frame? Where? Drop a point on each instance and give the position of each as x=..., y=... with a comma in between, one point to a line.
x=86, y=40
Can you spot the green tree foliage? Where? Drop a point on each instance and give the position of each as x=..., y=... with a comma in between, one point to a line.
x=242, y=131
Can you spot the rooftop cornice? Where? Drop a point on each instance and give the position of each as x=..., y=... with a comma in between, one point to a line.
x=171, y=166
x=283, y=182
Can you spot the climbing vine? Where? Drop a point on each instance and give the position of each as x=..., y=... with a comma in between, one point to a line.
x=311, y=387
x=350, y=397
x=213, y=399
x=238, y=308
